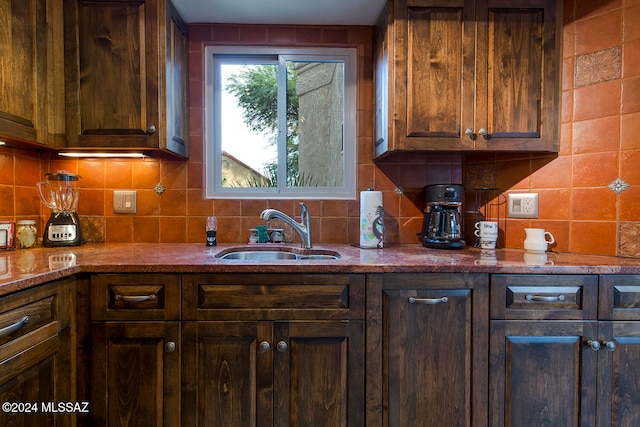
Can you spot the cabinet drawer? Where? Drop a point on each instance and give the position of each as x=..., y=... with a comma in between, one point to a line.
x=272, y=296
x=135, y=297
x=619, y=297
x=26, y=318
x=515, y=296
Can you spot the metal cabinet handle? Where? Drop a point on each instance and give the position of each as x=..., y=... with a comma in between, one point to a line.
x=281, y=346
x=610, y=345
x=170, y=347
x=416, y=300
x=469, y=132
x=135, y=298
x=264, y=346
x=14, y=326
x=543, y=298
x=595, y=345
x=484, y=133
x=151, y=129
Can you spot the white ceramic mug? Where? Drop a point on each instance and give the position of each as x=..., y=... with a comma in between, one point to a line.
x=486, y=229
x=536, y=240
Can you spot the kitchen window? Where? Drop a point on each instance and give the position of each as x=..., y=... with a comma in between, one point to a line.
x=280, y=123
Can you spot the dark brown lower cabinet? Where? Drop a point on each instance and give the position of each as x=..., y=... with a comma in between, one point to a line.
x=426, y=350
x=282, y=373
x=135, y=374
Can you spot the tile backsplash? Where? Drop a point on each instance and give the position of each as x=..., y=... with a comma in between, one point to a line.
x=599, y=145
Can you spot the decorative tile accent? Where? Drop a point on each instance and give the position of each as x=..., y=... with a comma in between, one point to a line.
x=93, y=228
x=629, y=243
x=159, y=188
x=618, y=186
x=599, y=66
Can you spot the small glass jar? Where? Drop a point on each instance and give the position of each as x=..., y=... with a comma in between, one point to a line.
x=26, y=234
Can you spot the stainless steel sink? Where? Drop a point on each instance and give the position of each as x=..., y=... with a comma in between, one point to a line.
x=260, y=254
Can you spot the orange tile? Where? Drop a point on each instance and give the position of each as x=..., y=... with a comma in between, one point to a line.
x=308, y=35
x=630, y=129
x=27, y=171
x=629, y=170
x=92, y=172
x=595, y=170
x=146, y=229
x=173, y=174
x=146, y=173
x=27, y=202
x=6, y=166
x=567, y=73
x=119, y=174
x=280, y=34
x=173, y=203
x=630, y=95
x=119, y=229
x=630, y=28
x=253, y=33
x=593, y=204
x=227, y=207
x=596, y=101
x=590, y=8
x=631, y=58
x=335, y=36
x=197, y=204
x=597, y=135
x=598, y=32
x=92, y=202
x=551, y=174
x=568, y=40
x=630, y=204
x=7, y=209
x=333, y=230
x=148, y=203
x=196, y=229
x=593, y=238
x=566, y=114
x=560, y=230
x=173, y=229
x=334, y=208
x=224, y=33
x=513, y=175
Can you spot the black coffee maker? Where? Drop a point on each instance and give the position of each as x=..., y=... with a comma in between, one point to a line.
x=442, y=225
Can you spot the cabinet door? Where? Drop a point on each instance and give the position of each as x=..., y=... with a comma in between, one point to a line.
x=427, y=343
x=227, y=374
x=518, y=71
x=23, y=60
x=542, y=373
x=318, y=373
x=112, y=73
x=434, y=74
x=135, y=374
x=619, y=374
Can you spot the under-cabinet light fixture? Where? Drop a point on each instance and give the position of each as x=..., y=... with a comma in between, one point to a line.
x=106, y=154
x=3, y=143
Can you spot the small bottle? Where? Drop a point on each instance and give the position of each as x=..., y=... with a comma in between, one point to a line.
x=212, y=228
x=26, y=234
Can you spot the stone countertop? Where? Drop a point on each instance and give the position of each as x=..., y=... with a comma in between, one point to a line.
x=20, y=269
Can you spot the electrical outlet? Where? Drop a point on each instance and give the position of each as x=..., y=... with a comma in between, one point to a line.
x=124, y=201
x=522, y=205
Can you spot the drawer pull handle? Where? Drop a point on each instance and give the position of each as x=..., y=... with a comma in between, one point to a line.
x=544, y=298
x=416, y=300
x=14, y=327
x=135, y=298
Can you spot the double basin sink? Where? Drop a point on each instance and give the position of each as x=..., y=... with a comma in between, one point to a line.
x=276, y=254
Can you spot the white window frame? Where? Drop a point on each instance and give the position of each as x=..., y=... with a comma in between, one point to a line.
x=213, y=148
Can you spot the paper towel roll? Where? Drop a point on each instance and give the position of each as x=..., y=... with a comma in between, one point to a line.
x=371, y=219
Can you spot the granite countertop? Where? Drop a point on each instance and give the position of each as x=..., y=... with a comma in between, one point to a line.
x=20, y=269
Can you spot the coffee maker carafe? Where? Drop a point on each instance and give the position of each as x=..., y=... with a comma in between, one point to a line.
x=60, y=193
x=442, y=226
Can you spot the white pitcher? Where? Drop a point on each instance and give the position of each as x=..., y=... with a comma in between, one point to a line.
x=536, y=240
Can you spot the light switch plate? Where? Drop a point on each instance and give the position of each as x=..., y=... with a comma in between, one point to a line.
x=125, y=201
x=522, y=205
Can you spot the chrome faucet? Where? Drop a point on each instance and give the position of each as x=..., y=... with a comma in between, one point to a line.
x=303, y=228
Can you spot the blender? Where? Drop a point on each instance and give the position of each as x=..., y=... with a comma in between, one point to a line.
x=60, y=193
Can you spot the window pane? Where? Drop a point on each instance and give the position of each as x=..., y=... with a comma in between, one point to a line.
x=315, y=115
x=249, y=124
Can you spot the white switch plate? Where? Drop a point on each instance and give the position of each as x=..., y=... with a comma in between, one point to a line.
x=522, y=205
x=125, y=201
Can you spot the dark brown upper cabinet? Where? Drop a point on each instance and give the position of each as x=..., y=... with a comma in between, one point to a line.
x=126, y=75
x=468, y=75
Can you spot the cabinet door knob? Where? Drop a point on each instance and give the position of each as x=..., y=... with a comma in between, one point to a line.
x=170, y=347
x=469, y=132
x=484, y=132
x=595, y=345
x=264, y=346
x=281, y=346
x=151, y=129
x=610, y=345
